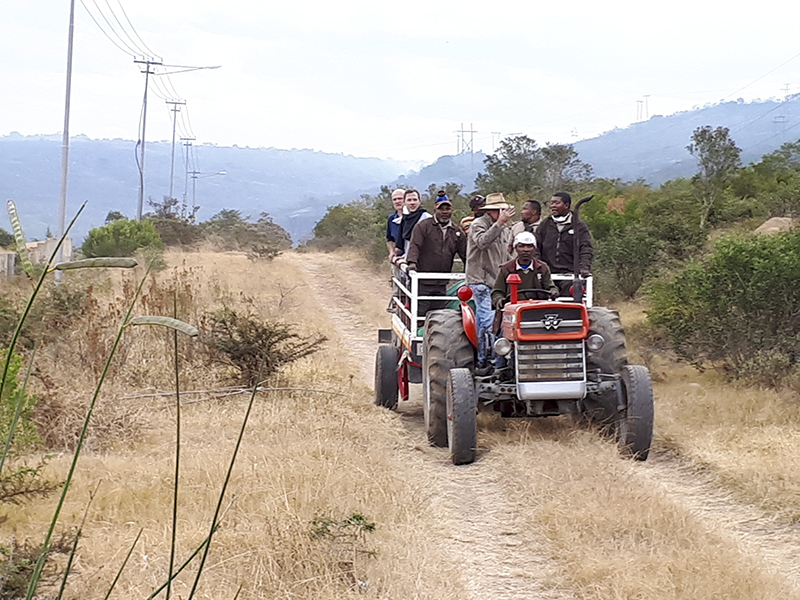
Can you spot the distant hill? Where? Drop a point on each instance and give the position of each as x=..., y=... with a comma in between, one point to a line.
x=655, y=150
x=297, y=186
x=461, y=168
x=294, y=186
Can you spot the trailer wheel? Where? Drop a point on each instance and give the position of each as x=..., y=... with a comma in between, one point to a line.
x=386, y=386
x=635, y=426
x=462, y=417
x=445, y=347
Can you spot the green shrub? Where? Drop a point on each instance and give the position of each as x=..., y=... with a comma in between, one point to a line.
x=121, y=238
x=739, y=308
x=25, y=432
x=626, y=259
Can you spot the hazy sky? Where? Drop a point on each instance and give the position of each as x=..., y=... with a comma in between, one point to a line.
x=392, y=79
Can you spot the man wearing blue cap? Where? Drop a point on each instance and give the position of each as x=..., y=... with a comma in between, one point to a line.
x=433, y=246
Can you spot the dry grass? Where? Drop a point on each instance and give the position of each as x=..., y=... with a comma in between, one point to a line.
x=614, y=536
x=608, y=532
x=749, y=437
x=305, y=455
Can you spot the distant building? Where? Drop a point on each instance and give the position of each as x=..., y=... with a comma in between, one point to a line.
x=40, y=252
x=8, y=261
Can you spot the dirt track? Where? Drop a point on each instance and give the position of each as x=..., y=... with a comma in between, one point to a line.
x=502, y=559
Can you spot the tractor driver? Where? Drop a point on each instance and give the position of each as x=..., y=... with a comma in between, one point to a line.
x=534, y=273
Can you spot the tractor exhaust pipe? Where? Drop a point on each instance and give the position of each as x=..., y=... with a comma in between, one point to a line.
x=577, y=283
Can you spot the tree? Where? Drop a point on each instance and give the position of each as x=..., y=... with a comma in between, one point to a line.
x=521, y=166
x=774, y=181
x=719, y=158
x=166, y=209
x=114, y=215
x=518, y=166
x=6, y=239
x=563, y=170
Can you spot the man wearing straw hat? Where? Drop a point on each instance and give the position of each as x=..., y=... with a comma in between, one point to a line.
x=487, y=249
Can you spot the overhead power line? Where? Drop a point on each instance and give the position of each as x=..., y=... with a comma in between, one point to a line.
x=100, y=27
x=136, y=33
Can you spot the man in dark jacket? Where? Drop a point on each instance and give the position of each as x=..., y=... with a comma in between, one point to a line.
x=393, y=221
x=413, y=213
x=555, y=238
x=433, y=246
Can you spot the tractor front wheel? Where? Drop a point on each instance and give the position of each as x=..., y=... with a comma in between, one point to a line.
x=445, y=347
x=462, y=416
x=610, y=360
x=635, y=426
x=386, y=385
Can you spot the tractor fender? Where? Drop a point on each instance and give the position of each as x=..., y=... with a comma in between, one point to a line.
x=470, y=323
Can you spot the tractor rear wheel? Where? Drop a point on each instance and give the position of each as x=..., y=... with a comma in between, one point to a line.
x=610, y=360
x=445, y=347
x=386, y=385
x=462, y=416
x=635, y=427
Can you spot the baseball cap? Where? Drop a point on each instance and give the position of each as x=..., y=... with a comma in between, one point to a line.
x=476, y=202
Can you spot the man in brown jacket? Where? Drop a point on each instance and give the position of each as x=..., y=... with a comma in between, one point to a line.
x=535, y=274
x=433, y=246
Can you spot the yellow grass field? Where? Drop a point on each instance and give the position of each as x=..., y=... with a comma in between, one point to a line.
x=549, y=510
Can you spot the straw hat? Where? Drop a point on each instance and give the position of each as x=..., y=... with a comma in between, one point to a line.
x=495, y=201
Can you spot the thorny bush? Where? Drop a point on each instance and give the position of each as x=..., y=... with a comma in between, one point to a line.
x=244, y=341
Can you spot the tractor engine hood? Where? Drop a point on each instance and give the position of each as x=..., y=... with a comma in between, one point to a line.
x=537, y=320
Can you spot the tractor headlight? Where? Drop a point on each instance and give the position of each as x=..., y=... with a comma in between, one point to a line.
x=502, y=346
x=595, y=342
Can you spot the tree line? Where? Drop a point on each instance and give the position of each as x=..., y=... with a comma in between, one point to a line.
x=671, y=245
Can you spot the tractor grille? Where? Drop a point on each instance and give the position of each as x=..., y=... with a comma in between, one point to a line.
x=550, y=361
x=562, y=319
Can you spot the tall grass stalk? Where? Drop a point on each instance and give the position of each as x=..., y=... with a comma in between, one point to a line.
x=74, y=550
x=177, y=448
x=37, y=572
x=20, y=238
x=227, y=479
x=122, y=566
x=197, y=550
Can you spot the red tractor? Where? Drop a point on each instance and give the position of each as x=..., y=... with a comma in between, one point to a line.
x=562, y=357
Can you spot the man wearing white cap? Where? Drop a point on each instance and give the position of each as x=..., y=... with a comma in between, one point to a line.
x=535, y=274
x=488, y=242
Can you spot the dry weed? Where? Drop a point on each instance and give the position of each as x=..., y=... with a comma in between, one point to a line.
x=307, y=454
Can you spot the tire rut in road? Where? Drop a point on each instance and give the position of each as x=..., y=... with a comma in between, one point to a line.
x=757, y=533
x=480, y=531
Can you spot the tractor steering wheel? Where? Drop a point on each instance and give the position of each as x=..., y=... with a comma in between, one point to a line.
x=544, y=294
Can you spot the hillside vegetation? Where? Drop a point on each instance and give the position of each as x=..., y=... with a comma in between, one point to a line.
x=718, y=295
